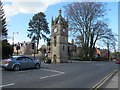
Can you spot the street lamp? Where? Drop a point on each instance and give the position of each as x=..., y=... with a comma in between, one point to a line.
x=13, y=36
x=13, y=40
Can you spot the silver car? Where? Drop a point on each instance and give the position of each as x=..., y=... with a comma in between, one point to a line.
x=20, y=62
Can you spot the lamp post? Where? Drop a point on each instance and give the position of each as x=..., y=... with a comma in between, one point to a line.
x=13, y=40
x=13, y=36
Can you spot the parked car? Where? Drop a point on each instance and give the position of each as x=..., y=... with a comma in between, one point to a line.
x=20, y=62
x=117, y=61
x=47, y=60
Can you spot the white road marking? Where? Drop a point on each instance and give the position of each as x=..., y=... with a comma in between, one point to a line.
x=19, y=71
x=44, y=77
x=54, y=71
x=54, y=75
x=40, y=69
x=23, y=71
x=49, y=70
x=7, y=85
x=50, y=76
x=59, y=73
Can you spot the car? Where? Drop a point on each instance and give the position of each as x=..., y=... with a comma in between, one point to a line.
x=17, y=63
x=117, y=61
x=47, y=60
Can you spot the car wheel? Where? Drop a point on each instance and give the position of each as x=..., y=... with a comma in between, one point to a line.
x=16, y=68
x=37, y=66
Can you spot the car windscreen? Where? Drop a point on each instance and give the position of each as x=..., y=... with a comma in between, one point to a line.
x=13, y=57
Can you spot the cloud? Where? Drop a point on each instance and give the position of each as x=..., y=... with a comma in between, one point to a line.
x=14, y=7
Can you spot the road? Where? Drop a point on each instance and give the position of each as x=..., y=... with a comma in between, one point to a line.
x=63, y=75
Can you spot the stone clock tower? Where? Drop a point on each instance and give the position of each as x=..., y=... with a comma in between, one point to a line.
x=59, y=39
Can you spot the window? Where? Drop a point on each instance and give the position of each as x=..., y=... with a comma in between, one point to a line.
x=63, y=48
x=21, y=44
x=15, y=45
x=28, y=59
x=63, y=40
x=49, y=48
x=55, y=41
x=21, y=58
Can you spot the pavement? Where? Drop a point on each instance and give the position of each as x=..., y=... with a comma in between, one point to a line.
x=113, y=83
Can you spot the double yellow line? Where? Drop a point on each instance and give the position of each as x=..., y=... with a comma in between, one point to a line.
x=103, y=81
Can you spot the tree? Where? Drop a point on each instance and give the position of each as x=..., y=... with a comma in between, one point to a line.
x=116, y=55
x=86, y=21
x=110, y=43
x=43, y=49
x=38, y=27
x=3, y=22
x=7, y=49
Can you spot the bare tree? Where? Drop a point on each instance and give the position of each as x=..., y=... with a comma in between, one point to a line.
x=110, y=43
x=86, y=20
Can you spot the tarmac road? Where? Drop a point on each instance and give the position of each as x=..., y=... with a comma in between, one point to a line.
x=63, y=75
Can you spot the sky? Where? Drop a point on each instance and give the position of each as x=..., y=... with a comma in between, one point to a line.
x=19, y=13
x=119, y=27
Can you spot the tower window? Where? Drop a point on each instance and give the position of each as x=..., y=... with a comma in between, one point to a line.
x=21, y=44
x=63, y=40
x=49, y=49
x=55, y=41
x=63, y=47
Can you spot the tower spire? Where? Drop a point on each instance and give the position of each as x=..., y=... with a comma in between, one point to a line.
x=52, y=21
x=52, y=18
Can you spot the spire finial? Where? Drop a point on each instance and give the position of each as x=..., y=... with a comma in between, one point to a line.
x=67, y=18
x=73, y=41
x=60, y=11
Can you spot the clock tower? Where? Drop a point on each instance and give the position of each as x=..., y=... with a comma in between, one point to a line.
x=59, y=39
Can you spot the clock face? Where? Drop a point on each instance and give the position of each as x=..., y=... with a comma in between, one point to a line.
x=63, y=30
x=55, y=30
